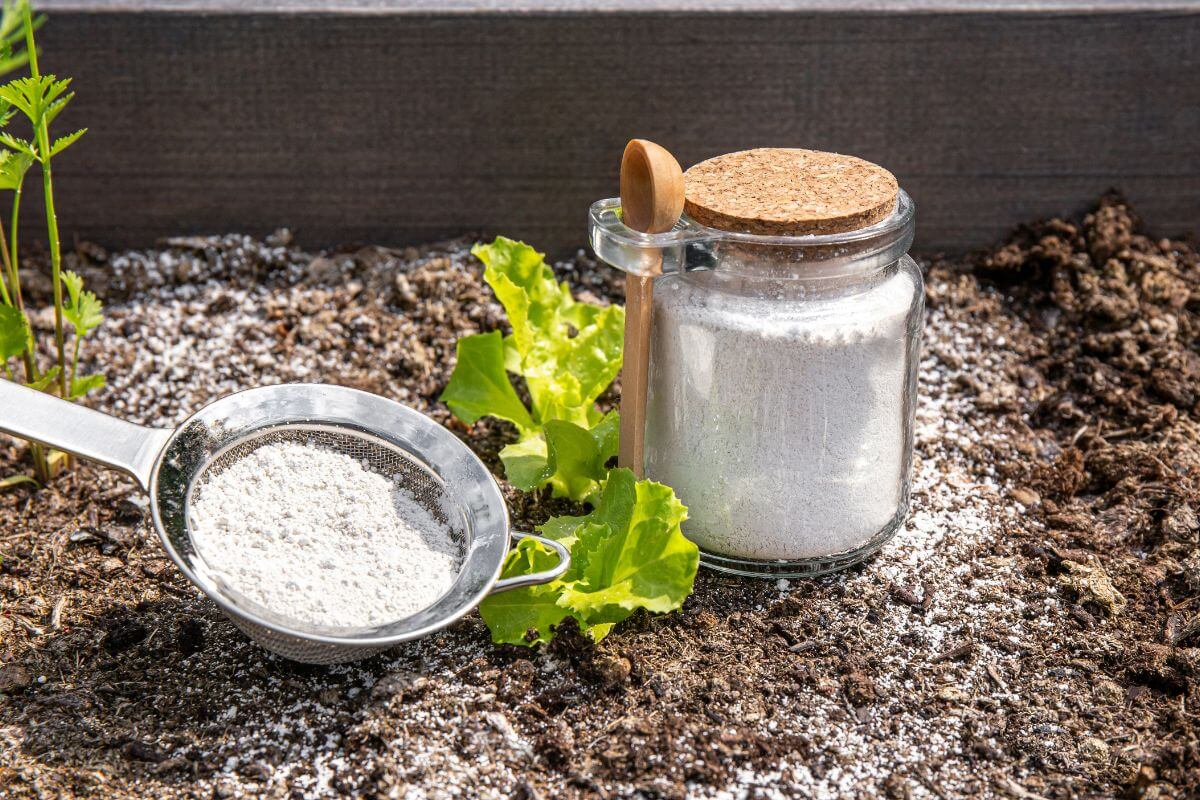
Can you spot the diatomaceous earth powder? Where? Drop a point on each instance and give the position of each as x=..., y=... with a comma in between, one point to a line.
x=316, y=536
x=781, y=422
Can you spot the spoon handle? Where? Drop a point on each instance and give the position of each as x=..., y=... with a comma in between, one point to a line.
x=635, y=369
x=29, y=414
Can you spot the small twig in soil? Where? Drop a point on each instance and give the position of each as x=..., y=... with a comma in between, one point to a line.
x=56, y=614
x=1179, y=632
x=961, y=651
x=906, y=596
x=1185, y=602
x=1018, y=791
x=163, y=586
x=1080, y=614
x=607, y=730
x=994, y=674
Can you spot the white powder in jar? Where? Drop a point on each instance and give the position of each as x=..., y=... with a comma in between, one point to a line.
x=782, y=422
x=316, y=536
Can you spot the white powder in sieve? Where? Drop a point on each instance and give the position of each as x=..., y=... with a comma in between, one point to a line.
x=782, y=423
x=316, y=536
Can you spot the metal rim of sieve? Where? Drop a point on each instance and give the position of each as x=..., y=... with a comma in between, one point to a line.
x=167, y=463
x=237, y=418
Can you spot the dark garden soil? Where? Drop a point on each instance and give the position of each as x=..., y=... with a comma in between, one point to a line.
x=1034, y=631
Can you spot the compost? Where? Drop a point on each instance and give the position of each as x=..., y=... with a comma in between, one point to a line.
x=1032, y=631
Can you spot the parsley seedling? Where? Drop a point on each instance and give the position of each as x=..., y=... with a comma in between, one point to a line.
x=39, y=99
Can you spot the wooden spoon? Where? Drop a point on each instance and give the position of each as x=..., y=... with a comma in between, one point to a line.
x=651, y=202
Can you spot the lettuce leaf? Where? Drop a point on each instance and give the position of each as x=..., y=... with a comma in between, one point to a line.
x=569, y=458
x=567, y=351
x=480, y=387
x=525, y=616
x=628, y=553
x=632, y=553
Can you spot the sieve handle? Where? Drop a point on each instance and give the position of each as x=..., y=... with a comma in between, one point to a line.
x=519, y=581
x=39, y=417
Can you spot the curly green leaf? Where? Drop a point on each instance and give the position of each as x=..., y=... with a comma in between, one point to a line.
x=525, y=616
x=627, y=554
x=479, y=386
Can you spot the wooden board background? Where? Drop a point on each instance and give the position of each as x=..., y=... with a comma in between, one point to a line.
x=419, y=121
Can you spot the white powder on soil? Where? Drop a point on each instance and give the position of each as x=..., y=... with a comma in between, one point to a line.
x=781, y=423
x=314, y=535
x=183, y=353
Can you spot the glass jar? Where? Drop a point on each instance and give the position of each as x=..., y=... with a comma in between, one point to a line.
x=782, y=385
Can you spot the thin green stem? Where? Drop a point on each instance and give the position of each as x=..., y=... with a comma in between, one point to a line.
x=16, y=215
x=10, y=272
x=55, y=271
x=14, y=278
x=43, y=148
x=74, y=361
x=41, y=467
x=9, y=261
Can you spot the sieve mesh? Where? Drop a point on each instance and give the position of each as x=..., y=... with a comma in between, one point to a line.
x=391, y=462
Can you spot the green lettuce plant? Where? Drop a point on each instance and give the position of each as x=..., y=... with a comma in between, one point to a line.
x=628, y=552
x=567, y=352
x=39, y=99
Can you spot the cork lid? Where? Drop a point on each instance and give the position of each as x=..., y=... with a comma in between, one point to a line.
x=782, y=192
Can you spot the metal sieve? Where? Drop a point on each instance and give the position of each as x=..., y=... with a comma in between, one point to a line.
x=430, y=462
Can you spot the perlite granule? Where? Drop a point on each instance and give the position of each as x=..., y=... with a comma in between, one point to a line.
x=316, y=536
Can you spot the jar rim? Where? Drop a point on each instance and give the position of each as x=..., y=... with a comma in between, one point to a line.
x=690, y=246
x=896, y=222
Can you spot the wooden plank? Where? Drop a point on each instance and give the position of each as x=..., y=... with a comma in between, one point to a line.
x=396, y=127
x=392, y=7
